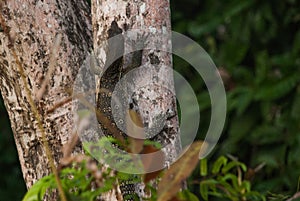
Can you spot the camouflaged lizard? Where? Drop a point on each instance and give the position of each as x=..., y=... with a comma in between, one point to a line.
x=114, y=71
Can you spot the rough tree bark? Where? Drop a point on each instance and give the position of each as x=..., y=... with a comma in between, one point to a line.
x=33, y=26
x=152, y=88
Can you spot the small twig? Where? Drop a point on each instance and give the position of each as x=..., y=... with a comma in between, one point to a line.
x=259, y=167
x=68, y=148
x=51, y=67
x=232, y=157
x=100, y=116
x=223, y=189
x=59, y=104
x=295, y=196
x=69, y=99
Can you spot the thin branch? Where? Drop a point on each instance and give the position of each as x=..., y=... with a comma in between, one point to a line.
x=59, y=104
x=295, y=196
x=51, y=67
x=69, y=99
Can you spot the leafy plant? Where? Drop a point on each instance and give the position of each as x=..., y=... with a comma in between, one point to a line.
x=256, y=47
x=83, y=179
x=226, y=180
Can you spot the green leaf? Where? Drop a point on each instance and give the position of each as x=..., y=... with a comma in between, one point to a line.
x=203, y=167
x=244, y=100
x=233, y=164
x=187, y=195
x=212, y=23
x=246, y=185
x=38, y=190
x=233, y=55
x=278, y=90
x=233, y=180
x=262, y=67
x=228, y=187
x=204, y=190
x=218, y=164
x=265, y=134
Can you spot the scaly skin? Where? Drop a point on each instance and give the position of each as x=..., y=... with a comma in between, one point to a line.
x=113, y=73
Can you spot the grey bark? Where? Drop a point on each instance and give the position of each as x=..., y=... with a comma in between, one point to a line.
x=33, y=26
x=151, y=87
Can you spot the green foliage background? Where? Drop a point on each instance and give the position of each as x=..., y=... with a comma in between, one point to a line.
x=12, y=186
x=256, y=46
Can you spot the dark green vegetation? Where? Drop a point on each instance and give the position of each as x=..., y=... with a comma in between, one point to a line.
x=256, y=45
x=225, y=179
x=12, y=186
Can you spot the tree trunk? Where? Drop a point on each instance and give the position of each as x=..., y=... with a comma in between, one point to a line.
x=150, y=84
x=35, y=26
x=138, y=35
